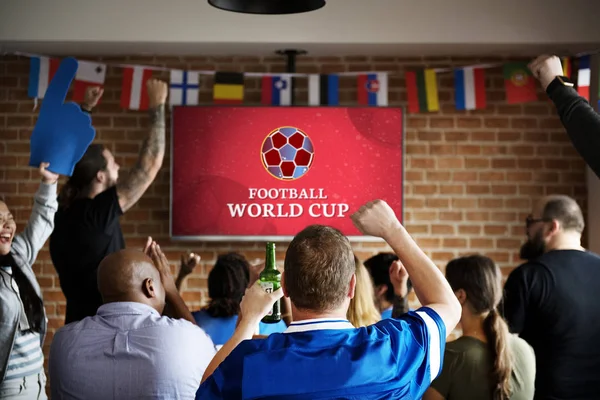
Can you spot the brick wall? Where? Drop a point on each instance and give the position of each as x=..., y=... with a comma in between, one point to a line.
x=471, y=177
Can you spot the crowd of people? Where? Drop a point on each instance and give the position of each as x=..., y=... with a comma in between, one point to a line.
x=347, y=331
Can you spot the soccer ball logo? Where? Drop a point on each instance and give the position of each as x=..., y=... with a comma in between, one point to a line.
x=287, y=153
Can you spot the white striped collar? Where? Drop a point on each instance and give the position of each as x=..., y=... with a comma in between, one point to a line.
x=318, y=324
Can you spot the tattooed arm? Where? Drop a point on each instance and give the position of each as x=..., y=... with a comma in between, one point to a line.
x=133, y=186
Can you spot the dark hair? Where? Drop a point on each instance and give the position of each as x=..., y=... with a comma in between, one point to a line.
x=566, y=211
x=32, y=304
x=319, y=264
x=83, y=174
x=481, y=280
x=379, y=268
x=227, y=283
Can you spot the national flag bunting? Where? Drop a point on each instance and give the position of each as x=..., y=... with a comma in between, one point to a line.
x=323, y=90
x=89, y=74
x=277, y=90
x=372, y=89
x=422, y=91
x=184, y=88
x=228, y=88
x=566, y=66
x=134, y=95
x=41, y=71
x=469, y=88
x=519, y=83
x=583, y=77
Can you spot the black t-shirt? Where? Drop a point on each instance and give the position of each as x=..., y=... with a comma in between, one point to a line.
x=554, y=304
x=86, y=232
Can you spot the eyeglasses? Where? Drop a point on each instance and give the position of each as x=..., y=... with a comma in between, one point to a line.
x=530, y=220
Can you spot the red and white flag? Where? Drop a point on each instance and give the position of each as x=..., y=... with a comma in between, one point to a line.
x=133, y=93
x=88, y=74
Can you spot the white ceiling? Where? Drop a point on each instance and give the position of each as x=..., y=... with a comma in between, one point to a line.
x=369, y=27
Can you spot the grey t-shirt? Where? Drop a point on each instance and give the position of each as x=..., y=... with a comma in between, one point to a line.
x=467, y=365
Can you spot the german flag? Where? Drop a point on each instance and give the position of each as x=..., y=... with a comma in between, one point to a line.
x=228, y=88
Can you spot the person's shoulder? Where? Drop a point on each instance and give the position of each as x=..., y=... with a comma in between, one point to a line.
x=467, y=347
x=529, y=270
x=200, y=316
x=176, y=324
x=235, y=360
x=520, y=346
x=181, y=331
x=569, y=255
x=418, y=324
x=79, y=330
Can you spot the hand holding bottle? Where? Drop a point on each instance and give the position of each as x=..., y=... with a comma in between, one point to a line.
x=257, y=303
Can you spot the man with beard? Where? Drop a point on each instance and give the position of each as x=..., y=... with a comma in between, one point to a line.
x=551, y=301
x=87, y=227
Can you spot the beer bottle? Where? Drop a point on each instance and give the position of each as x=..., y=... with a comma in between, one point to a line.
x=270, y=281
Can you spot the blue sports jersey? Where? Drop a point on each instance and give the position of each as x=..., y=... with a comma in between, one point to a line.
x=330, y=359
x=221, y=329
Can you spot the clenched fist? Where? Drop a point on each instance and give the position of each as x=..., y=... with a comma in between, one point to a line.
x=399, y=278
x=545, y=68
x=157, y=92
x=376, y=218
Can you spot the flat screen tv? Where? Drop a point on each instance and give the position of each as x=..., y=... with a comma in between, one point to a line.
x=265, y=173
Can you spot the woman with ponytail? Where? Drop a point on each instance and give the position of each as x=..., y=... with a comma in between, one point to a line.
x=227, y=283
x=487, y=362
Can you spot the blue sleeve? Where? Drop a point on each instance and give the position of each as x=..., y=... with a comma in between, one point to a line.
x=226, y=381
x=211, y=388
x=419, y=339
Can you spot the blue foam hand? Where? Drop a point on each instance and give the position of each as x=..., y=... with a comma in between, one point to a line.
x=63, y=131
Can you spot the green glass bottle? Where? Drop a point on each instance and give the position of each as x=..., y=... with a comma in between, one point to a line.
x=270, y=280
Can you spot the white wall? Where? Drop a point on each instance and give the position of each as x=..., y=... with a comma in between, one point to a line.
x=378, y=22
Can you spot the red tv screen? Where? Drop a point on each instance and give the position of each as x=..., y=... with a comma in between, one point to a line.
x=265, y=173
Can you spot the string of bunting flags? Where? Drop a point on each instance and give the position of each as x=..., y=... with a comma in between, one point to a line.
x=323, y=89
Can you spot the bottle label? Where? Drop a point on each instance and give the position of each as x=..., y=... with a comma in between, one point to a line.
x=268, y=287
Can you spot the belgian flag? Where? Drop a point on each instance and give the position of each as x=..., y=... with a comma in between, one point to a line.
x=228, y=88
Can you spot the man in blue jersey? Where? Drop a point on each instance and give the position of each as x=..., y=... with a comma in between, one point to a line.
x=321, y=355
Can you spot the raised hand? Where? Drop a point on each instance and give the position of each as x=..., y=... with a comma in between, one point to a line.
x=47, y=176
x=189, y=263
x=148, y=247
x=256, y=303
x=162, y=265
x=545, y=68
x=63, y=131
x=399, y=278
x=157, y=92
x=92, y=97
x=376, y=218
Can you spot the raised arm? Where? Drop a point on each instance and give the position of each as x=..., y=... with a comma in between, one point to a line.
x=254, y=306
x=175, y=307
x=376, y=218
x=399, y=279
x=41, y=222
x=579, y=118
x=188, y=263
x=133, y=186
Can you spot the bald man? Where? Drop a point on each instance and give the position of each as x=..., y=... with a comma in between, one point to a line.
x=551, y=301
x=128, y=350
